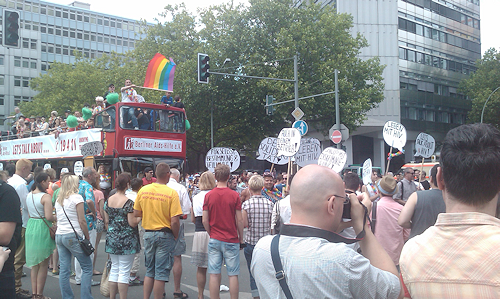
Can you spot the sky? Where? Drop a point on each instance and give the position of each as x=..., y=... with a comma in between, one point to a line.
x=149, y=9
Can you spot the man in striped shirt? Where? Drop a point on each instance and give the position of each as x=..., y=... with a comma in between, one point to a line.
x=458, y=256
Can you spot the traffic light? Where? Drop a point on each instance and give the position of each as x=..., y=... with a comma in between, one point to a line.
x=10, y=28
x=269, y=101
x=203, y=68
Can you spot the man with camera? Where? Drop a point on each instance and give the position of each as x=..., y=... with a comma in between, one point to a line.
x=310, y=259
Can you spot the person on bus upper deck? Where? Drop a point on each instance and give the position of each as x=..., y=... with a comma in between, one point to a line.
x=111, y=89
x=129, y=95
x=167, y=98
x=178, y=124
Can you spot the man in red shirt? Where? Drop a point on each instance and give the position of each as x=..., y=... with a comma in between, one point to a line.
x=223, y=221
x=148, y=176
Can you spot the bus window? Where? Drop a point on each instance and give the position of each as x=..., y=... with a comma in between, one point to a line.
x=106, y=119
x=135, y=117
x=169, y=121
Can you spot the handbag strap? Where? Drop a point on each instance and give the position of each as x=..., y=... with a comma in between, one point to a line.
x=69, y=221
x=43, y=218
x=278, y=267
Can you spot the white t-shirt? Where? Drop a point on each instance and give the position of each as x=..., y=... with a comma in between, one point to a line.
x=125, y=96
x=63, y=226
x=183, y=195
x=198, y=201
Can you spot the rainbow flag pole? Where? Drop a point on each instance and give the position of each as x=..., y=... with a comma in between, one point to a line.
x=160, y=74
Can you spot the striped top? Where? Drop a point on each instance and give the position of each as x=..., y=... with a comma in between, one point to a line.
x=456, y=258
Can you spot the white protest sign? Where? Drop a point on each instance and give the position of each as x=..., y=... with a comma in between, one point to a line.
x=288, y=142
x=309, y=152
x=47, y=166
x=333, y=158
x=367, y=171
x=424, y=145
x=91, y=149
x=269, y=152
x=78, y=168
x=395, y=134
x=222, y=155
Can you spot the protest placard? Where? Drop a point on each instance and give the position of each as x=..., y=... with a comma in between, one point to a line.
x=269, y=152
x=333, y=158
x=288, y=142
x=424, y=145
x=394, y=134
x=309, y=152
x=91, y=149
x=78, y=168
x=367, y=171
x=222, y=155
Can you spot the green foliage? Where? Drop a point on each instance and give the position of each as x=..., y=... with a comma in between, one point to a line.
x=70, y=86
x=480, y=86
x=260, y=40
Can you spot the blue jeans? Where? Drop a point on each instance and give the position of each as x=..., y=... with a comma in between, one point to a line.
x=158, y=253
x=248, y=256
x=129, y=114
x=219, y=251
x=68, y=245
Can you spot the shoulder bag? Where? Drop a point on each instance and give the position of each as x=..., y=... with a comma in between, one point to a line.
x=85, y=244
x=53, y=228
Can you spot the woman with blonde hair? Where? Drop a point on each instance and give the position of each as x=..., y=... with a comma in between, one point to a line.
x=39, y=244
x=71, y=215
x=201, y=237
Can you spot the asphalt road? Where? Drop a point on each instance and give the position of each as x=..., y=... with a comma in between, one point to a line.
x=188, y=282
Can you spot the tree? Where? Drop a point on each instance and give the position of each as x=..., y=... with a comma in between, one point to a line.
x=480, y=85
x=260, y=40
x=70, y=86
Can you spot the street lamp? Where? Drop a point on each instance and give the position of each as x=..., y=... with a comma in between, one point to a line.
x=482, y=112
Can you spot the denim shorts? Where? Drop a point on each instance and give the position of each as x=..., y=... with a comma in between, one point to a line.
x=218, y=252
x=158, y=253
x=180, y=243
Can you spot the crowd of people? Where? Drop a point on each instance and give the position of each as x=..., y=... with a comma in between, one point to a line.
x=311, y=234
x=134, y=118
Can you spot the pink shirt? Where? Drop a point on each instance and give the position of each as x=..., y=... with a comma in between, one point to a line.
x=387, y=230
x=98, y=195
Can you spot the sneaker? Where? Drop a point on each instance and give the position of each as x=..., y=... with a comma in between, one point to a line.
x=95, y=283
x=21, y=295
x=24, y=274
x=135, y=282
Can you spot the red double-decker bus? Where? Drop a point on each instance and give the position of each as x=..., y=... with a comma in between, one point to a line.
x=116, y=141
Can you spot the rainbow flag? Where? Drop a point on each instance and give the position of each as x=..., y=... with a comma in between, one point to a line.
x=160, y=73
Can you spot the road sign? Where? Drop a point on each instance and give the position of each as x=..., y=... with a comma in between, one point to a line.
x=301, y=126
x=336, y=137
x=297, y=113
x=343, y=129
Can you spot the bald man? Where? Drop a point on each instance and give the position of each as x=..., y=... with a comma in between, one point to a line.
x=314, y=261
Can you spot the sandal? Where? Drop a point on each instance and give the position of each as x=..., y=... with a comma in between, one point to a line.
x=181, y=294
x=97, y=273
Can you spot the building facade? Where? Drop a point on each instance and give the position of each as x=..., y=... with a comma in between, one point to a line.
x=428, y=47
x=51, y=32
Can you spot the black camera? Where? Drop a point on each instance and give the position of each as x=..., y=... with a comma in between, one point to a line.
x=346, y=213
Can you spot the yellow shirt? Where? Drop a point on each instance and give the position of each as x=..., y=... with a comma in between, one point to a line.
x=158, y=204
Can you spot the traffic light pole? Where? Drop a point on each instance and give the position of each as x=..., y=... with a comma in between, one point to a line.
x=337, y=104
x=296, y=79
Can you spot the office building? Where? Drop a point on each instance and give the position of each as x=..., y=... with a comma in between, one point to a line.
x=51, y=32
x=428, y=47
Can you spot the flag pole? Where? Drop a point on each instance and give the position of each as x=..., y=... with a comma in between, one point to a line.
x=153, y=88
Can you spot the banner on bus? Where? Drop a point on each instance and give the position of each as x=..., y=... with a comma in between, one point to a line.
x=47, y=146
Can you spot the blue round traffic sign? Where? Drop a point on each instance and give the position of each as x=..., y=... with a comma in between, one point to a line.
x=301, y=126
